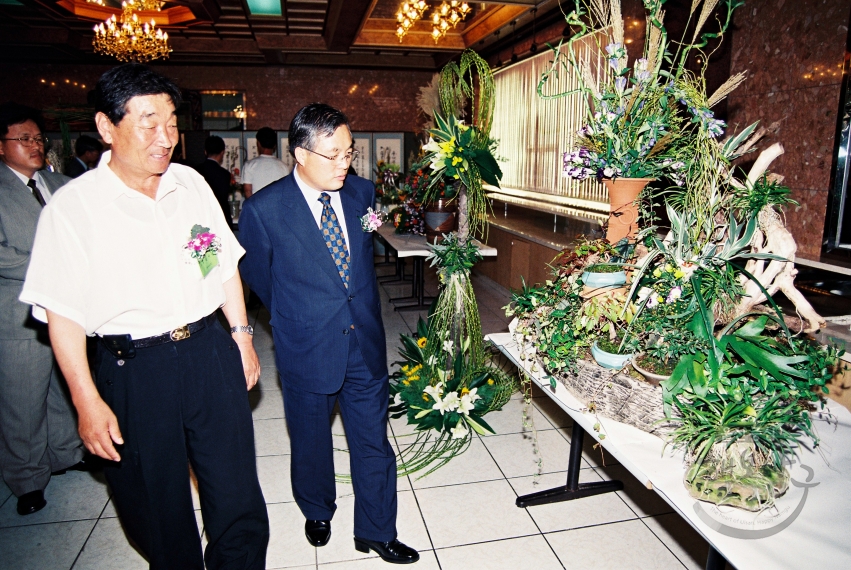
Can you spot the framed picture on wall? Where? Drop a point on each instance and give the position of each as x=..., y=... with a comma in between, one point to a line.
x=284, y=149
x=363, y=163
x=234, y=152
x=389, y=148
x=250, y=144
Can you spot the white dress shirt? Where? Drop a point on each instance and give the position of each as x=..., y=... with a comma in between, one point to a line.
x=262, y=171
x=113, y=260
x=38, y=182
x=312, y=197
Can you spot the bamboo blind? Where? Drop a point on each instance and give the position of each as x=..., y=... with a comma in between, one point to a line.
x=534, y=132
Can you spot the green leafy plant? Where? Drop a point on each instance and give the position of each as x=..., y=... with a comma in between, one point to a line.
x=451, y=401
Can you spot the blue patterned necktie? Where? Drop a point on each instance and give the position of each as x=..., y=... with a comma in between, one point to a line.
x=334, y=238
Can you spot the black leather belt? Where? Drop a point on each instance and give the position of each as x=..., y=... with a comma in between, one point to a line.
x=177, y=334
x=122, y=346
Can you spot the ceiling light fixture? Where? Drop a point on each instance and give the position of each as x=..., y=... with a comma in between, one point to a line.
x=129, y=39
x=408, y=13
x=446, y=16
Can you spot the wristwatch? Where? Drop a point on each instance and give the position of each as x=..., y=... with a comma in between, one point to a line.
x=243, y=328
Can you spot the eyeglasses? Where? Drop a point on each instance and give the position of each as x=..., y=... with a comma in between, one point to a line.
x=346, y=158
x=28, y=141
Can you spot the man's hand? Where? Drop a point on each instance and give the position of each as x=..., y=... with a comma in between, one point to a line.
x=250, y=362
x=234, y=310
x=99, y=428
x=98, y=425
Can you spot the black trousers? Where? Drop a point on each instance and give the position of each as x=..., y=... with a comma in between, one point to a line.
x=182, y=401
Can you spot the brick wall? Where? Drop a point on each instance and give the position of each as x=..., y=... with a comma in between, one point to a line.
x=374, y=100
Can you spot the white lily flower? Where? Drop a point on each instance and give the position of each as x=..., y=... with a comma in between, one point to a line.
x=460, y=430
x=397, y=399
x=449, y=404
x=431, y=146
x=468, y=402
x=447, y=346
x=434, y=391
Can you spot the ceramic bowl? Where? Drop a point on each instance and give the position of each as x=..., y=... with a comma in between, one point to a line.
x=609, y=360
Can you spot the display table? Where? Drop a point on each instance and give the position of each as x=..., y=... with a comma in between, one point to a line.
x=807, y=528
x=417, y=248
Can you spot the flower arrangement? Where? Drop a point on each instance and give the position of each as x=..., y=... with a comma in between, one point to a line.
x=372, y=220
x=202, y=243
x=447, y=402
x=644, y=120
x=203, y=247
x=408, y=218
x=447, y=382
x=387, y=176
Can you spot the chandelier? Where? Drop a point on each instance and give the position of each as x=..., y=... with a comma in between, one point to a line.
x=409, y=12
x=447, y=16
x=129, y=39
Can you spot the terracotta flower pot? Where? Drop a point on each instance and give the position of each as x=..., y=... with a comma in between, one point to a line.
x=623, y=217
x=440, y=218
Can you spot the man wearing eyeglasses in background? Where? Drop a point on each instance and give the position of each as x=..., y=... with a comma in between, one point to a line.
x=312, y=265
x=38, y=430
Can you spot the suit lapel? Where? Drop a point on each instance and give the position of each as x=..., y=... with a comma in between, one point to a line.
x=301, y=221
x=18, y=192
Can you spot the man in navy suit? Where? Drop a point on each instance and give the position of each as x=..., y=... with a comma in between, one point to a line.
x=312, y=265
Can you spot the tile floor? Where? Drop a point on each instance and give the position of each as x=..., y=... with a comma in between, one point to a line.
x=461, y=517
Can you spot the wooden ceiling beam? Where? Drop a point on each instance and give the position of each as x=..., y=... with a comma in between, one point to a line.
x=212, y=46
x=342, y=27
x=291, y=42
x=492, y=21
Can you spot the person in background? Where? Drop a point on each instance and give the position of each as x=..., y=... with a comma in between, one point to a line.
x=217, y=176
x=261, y=171
x=38, y=429
x=139, y=254
x=87, y=151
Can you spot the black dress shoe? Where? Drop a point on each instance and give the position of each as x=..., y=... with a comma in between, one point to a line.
x=89, y=463
x=317, y=532
x=393, y=552
x=31, y=502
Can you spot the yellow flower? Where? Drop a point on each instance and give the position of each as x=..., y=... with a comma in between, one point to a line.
x=456, y=160
x=464, y=390
x=679, y=274
x=657, y=273
x=422, y=342
x=668, y=267
x=406, y=368
x=425, y=397
x=406, y=382
x=490, y=381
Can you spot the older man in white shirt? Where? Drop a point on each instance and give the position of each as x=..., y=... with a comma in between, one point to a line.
x=138, y=253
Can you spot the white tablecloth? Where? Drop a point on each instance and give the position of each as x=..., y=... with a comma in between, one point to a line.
x=809, y=526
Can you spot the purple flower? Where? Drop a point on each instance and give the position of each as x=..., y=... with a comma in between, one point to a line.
x=674, y=294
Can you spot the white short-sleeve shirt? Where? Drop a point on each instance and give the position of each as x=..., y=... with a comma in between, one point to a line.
x=263, y=170
x=114, y=261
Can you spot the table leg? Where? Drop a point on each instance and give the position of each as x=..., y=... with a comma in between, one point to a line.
x=574, y=489
x=714, y=560
x=387, y=249
x=418, y=290
x=396, y=278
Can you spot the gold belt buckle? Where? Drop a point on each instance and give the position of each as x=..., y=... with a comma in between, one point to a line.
x=179, y=333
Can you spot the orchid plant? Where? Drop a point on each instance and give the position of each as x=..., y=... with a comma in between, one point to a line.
x=640, y=119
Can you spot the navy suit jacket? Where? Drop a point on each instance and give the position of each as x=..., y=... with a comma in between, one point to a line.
x=288, y=265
